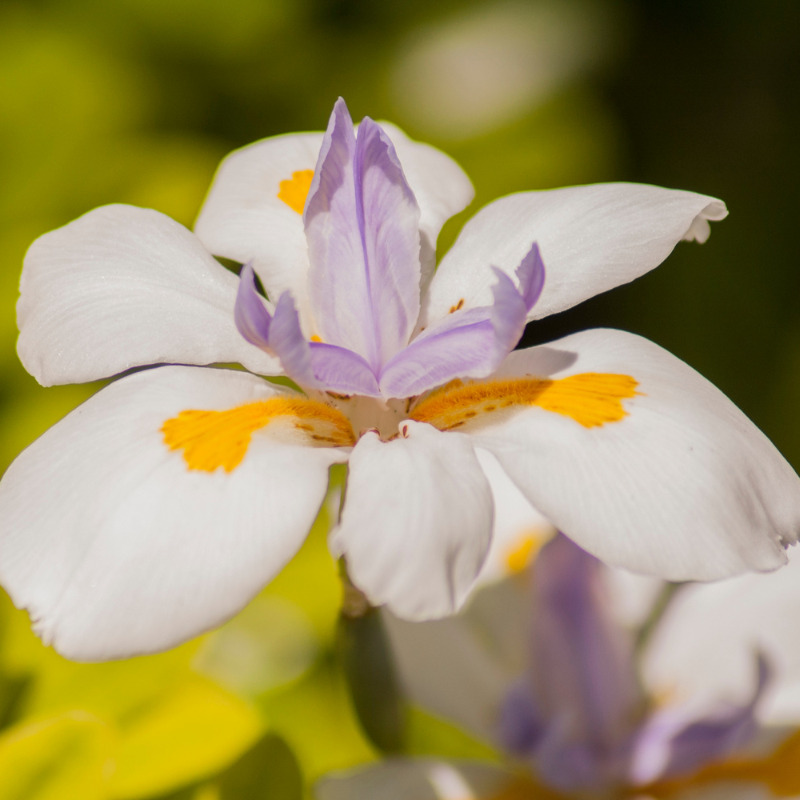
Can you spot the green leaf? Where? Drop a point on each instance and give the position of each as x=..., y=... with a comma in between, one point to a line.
x=268, y=771
x=68, y=757
x=315, y=715
x=196, y=731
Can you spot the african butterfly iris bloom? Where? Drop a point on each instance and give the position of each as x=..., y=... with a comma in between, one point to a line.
x=543, y=668
x=162, y=505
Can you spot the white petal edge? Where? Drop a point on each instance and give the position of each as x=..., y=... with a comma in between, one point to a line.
x=592, y=238
x=116, y=548
x=415, y=779
x=124, y=287
x=243, y=218
x=685, y=487
x=417, y=519
x=704, y=648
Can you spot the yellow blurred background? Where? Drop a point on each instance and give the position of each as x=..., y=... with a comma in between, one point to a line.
x=136, y=101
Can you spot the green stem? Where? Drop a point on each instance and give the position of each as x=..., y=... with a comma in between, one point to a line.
x=657, y=610
x=368, y=665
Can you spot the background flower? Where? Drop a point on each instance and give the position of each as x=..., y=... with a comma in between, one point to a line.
x=590, y=684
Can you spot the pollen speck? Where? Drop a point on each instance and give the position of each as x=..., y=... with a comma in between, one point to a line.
x=294, y=191
x=457, y=307
x=213, y=439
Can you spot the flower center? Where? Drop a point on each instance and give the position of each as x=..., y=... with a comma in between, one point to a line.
x=213, y=439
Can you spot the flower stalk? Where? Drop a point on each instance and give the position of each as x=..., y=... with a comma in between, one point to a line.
x=367, y=662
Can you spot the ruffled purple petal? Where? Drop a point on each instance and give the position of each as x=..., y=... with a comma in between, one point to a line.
x=508, y=316
x=342, y=370
x=669, y=745
x=530, y=274
x=251, y=316
x=512, y=304
x=362, y=228
x=471, y=343
x=310, y=364
x=461, y=344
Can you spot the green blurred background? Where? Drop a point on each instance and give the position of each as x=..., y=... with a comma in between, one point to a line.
x=136, y=101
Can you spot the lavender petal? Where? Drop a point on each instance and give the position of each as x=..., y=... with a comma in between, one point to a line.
x=668, y=746
x=362, y=228
x=251, y=316
x=530, y=274
x=508, y=316
x=575, y=766
x=521, y=727
x=389, y=222
x=462, y=345
x=342, y=370
x=287, y=341
x=582, y=666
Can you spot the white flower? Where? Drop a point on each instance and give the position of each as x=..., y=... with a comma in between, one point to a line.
x=162, y=505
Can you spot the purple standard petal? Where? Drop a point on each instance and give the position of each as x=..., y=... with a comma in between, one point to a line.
x=669, y=745
x=251, y=316
x=342, y=370
x=362, y=227
x=582, y=670
x=389, y=220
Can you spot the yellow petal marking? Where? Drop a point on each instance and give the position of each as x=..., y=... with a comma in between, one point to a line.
x=778, y=772
x=591, y=399
x=521, y=553
x=293, y=191
x=213, y=439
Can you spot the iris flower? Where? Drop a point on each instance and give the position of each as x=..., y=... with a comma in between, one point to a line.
x=546, y=670
x=161, y=506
